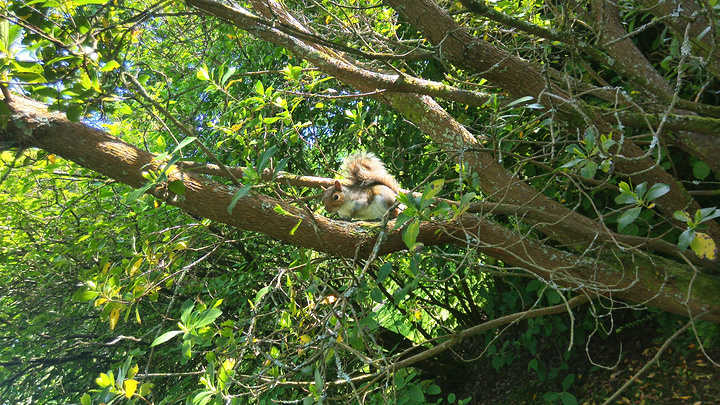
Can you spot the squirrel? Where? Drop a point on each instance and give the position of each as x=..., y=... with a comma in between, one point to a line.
x=368, y=192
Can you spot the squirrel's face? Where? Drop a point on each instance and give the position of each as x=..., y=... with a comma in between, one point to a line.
x=333, y=197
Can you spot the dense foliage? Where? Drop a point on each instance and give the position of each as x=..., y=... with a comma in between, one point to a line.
x=562, y=156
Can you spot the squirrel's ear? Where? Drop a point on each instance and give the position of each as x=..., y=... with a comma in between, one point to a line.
x=337, y=185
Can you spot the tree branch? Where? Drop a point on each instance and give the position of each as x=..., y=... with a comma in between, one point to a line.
x=611, y=271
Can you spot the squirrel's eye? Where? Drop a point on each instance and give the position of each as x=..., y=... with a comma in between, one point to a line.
x=336, y=197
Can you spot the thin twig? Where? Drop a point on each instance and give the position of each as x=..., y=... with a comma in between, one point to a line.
x=652, y=361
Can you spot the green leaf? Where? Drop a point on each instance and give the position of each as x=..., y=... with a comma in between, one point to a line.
x=411, y=232
x=4, y=114
x=207, y=317
x=401, y=294
x=177, y=187
x=74, y=112
x=590, y=133
x=568, y=381
x=432, y=189
x=280, y=210
x=626, y=198
x=259, y=89
x=5, y=40
x=686, y=238
x=572, y=163
x=285, y=321
x=227, y=75
x=104, y=380
x=607, y=144
x=656, y=191
x=85, y=400
x=32, y=68
x=201, y=397
x=83, y=295
x=295, y=228
x=706, y=30
x=165, y=337
x=624, y=188
x=292, y=72
x=415, y=393
x=376, y=295
x=135, y=194
x=110, y=66
x=518, y=101
x=701, y=170
x=553, y=296
x=383, y=273
x=588, y=171
x=568, y=399
x=260, y=294
x=318, y=380
x=84, y=2
x=185, y=142
x=242, y=192
x=640, y=190
x=707, y=214
x=203, y=74
x=466, y=198
x=280, y=166
x=681, y=216
x=628, y=218
x=262, y=162
x=186, y=310
x=576, y=150
x=605, y=165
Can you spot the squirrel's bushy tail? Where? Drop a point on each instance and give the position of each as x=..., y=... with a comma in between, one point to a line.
x=365, y=169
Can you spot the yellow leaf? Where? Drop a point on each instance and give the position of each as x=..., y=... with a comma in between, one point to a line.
x=133, y=370
x=704, y=246
x=305, y=339
x=328, y=300
x=105, y=268
x=51, y=158
x=229, y=364
x=135, y=266
x=114, y=316
x=130, y=386
x=171, y=169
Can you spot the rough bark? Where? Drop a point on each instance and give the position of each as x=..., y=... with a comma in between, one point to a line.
x=522, y=79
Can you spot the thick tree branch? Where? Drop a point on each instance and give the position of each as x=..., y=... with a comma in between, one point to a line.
x=329, y=60
x=521, y=79
x=605, y=270
x=686, y=16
